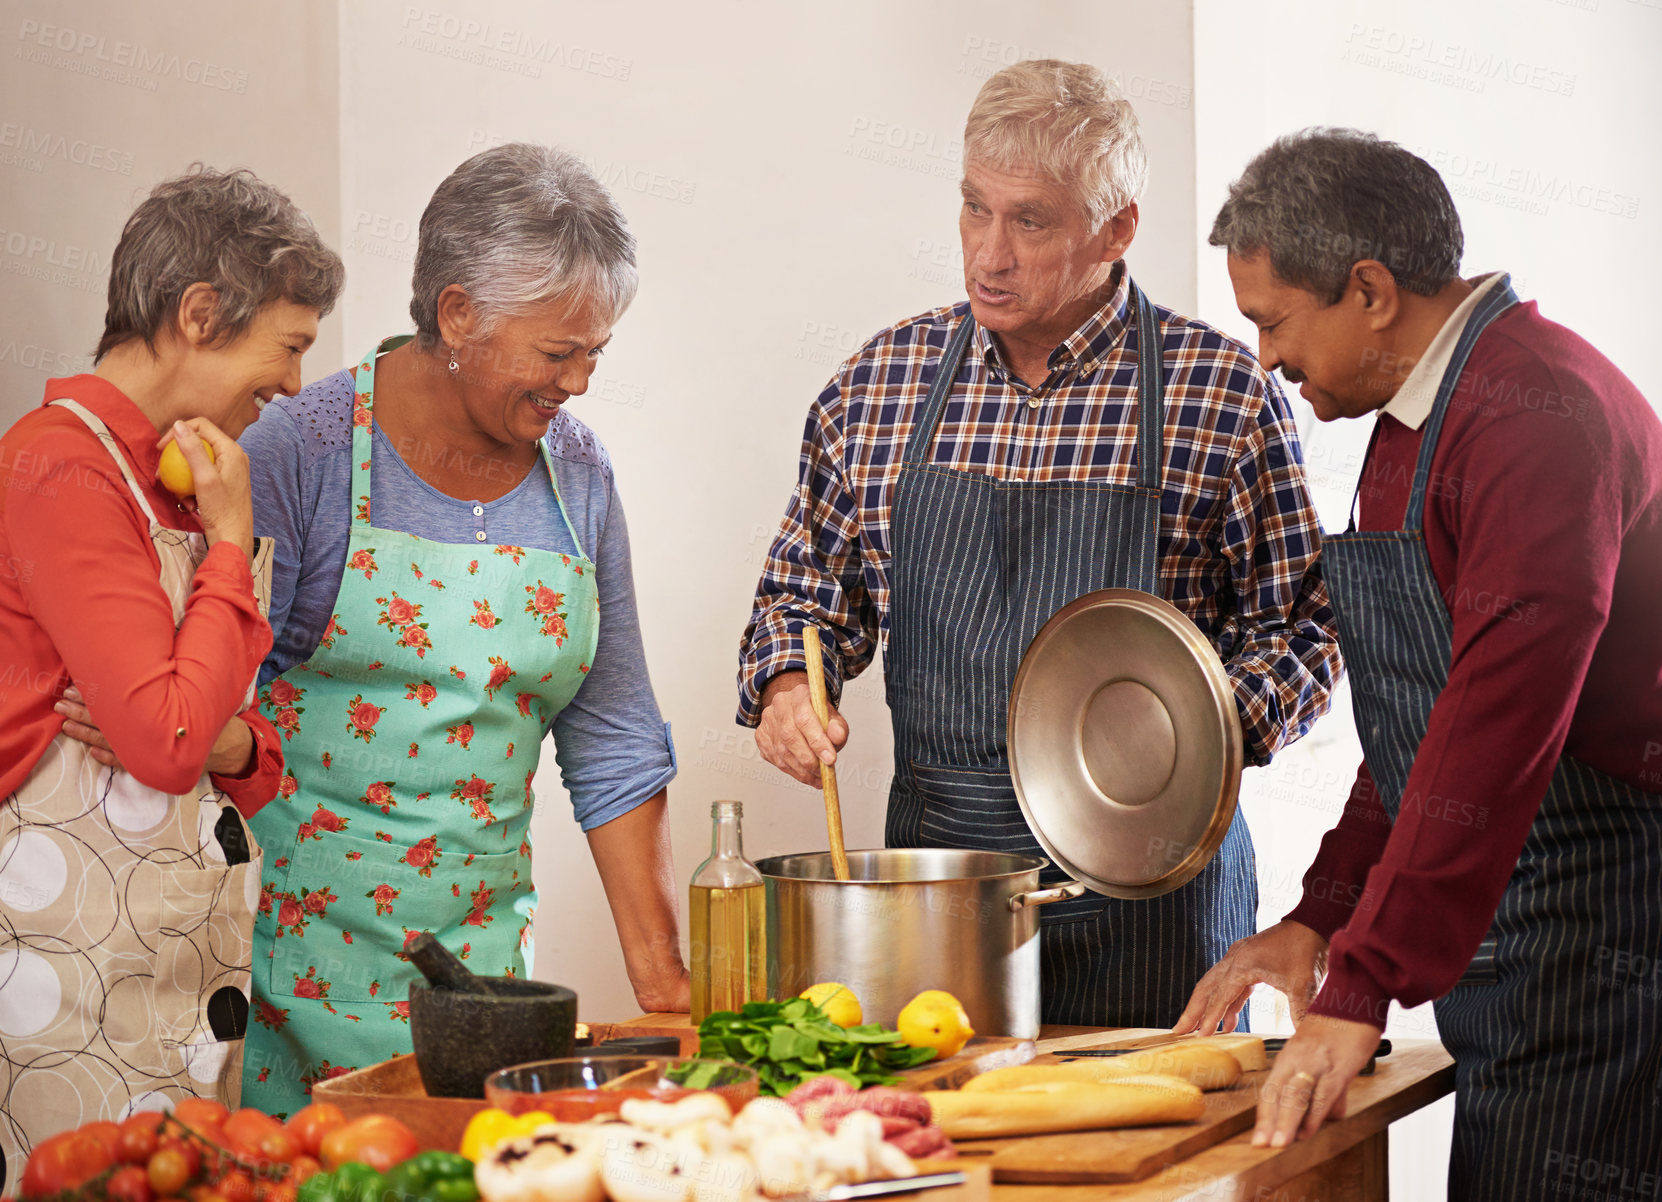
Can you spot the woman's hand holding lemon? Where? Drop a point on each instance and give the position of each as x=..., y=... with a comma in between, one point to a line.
x=218, y=477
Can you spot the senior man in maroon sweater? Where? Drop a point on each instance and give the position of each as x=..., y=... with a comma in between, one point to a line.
x=1500, y=608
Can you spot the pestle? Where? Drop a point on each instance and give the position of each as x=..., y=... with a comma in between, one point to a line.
x=440, y=966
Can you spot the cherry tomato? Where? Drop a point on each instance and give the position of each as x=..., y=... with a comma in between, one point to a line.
x=200, y=1114
x=254, y=1135
x=302, y=1167
x=312, y=1123
x=107, y=1133
x=169, y=1169
x=188, y=1148
x=139, y=1138
x=375, y=1140
x=236, y=1186
x=66, y=1160
x=282, y=1191
x=130, y=1183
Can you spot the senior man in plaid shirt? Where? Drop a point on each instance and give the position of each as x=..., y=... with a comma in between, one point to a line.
x=972, y=470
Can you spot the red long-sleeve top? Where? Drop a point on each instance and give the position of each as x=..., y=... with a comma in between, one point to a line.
x=1543, y=524
x=80, y=603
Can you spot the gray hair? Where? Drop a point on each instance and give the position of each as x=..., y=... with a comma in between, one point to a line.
x=1068, y=122
x=228, y=229
x=520, y=225
x=1321, y=200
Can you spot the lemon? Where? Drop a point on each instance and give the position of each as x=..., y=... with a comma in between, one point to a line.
x=174, y=472
x=838, y=1002
x=935, y=1019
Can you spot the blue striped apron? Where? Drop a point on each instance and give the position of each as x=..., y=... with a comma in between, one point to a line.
x=978, y=566
x=1556, y=1026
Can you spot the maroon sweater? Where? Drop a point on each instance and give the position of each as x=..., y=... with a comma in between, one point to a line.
x=1543, y=522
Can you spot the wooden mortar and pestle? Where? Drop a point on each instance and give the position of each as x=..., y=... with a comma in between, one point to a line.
x=466, y=1027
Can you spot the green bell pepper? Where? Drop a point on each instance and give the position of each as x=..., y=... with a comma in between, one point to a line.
x=431, y=1176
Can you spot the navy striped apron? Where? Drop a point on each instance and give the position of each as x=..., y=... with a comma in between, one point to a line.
x=978, y=566
x=1556, y=1026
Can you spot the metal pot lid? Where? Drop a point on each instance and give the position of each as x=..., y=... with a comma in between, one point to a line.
x=1125, y=743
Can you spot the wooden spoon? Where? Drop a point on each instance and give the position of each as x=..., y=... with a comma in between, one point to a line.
x=827, y=772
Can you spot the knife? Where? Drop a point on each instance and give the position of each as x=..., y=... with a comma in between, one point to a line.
x=878, y=1189
x=1272, y=1045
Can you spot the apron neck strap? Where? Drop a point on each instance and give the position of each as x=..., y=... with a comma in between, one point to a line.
x=1151, y=393
x=96, y=425
x=1499, y=299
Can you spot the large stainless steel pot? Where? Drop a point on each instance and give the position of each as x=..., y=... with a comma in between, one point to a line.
x=911, y=919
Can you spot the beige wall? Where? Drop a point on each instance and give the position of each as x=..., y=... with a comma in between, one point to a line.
x=101, y=100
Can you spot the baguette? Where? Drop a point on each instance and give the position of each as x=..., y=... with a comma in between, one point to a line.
x=1198, y=1064
x=1137, y=1101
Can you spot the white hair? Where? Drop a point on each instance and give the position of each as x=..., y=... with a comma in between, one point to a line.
x=519, y=225
x=1067, y=122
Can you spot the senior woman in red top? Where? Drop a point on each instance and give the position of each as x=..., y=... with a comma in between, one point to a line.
x=133, y=623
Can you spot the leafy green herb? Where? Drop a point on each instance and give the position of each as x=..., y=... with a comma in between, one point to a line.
x=789, y=1042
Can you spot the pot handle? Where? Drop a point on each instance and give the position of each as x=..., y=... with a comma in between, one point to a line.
x=1067, y=892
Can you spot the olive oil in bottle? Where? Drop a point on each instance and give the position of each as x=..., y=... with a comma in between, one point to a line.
x=728, y=915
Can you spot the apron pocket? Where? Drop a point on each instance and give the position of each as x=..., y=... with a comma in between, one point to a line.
x=347, y=906
x=976, y=809
x=204, y=953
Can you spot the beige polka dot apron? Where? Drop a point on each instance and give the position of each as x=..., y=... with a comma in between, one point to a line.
x=125, y=933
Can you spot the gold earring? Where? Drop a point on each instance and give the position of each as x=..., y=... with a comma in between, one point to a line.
x=453, y=364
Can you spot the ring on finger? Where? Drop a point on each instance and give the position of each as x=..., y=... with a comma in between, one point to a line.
x=1301, y=1075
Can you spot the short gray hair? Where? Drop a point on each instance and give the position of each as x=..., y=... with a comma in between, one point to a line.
x=1321, y=200
x=520, y=225
x=1069, y=123
x=228, y=229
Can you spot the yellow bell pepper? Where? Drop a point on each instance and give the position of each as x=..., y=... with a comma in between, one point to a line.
x=489, y=1128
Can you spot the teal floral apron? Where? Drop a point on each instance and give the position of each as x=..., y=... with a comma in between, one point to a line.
x=411, y=736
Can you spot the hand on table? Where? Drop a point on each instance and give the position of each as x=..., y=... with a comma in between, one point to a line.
x=790, y=736
x=671, y=995
x=1289, y=956
x=1308, y=1081
x=230, y=756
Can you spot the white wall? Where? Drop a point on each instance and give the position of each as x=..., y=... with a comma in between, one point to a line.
x=791, y=173
x=99, y=102
x=1540, y=115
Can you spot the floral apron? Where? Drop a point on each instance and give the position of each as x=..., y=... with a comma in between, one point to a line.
x=411, y=736
x=125, y=920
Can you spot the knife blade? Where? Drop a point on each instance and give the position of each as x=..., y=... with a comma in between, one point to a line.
x=878, y=1189
x=1272, y=1045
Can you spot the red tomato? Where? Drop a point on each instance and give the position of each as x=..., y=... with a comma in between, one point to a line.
x=138, y=1137
x=189, y=1149
x=200, y=1114
x=247, y=1131
x=302, y=1167
x=130, y=1183
x=169, y=1169
x=67, y=1160
x=109, y=1134
x=376, y=1140
x=281, y=1192
x=236, y=1186
x=312, y=1123
x=280, y=1146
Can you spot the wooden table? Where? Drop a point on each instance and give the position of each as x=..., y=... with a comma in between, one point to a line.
x=1346, y=1161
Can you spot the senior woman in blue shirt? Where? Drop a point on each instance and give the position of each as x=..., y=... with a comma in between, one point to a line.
x=452, y=581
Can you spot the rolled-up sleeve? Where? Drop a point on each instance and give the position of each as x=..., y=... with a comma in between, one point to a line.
x=1281, y=648
x=614, y=749
x=813, y=572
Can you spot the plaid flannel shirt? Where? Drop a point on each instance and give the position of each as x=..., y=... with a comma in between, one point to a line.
x=1238, y=535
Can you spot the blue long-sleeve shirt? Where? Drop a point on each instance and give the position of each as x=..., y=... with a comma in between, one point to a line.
x=611, y=742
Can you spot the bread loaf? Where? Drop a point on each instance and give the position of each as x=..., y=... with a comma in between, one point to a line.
x=1197, y=1063
x=1034, y=1109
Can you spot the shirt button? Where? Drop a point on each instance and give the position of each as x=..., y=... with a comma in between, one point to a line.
x=479, y=536
x=1032, y=402
x=478, y=511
